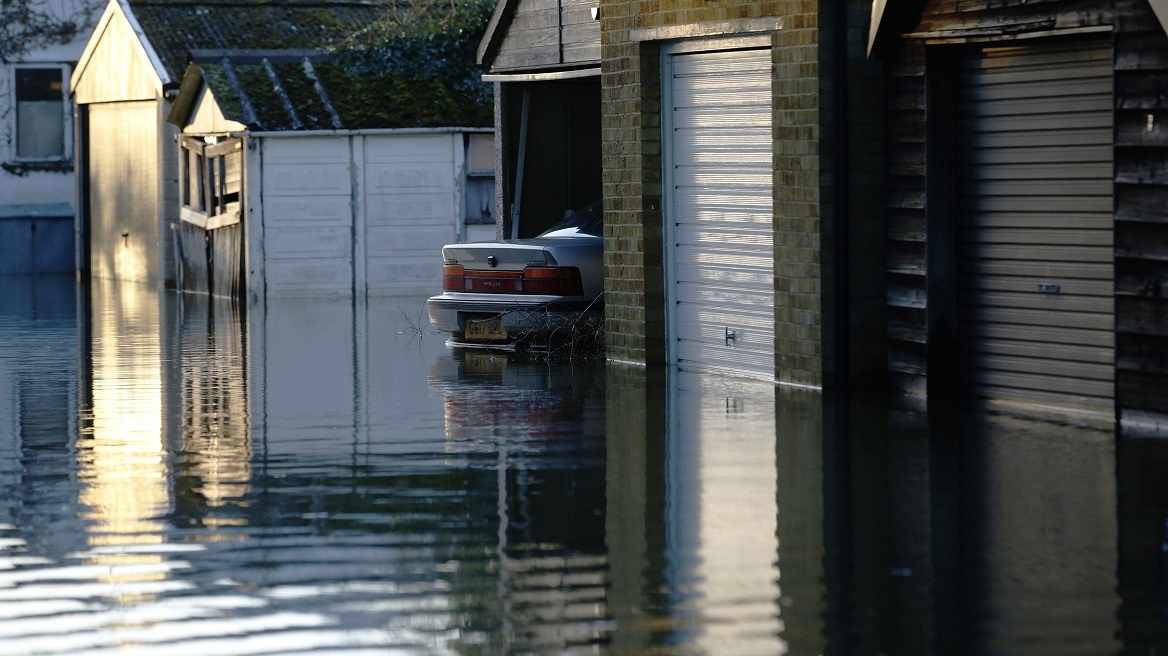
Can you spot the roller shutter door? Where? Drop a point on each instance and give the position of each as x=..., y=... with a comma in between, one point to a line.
x=1035, y=240
x=719, y=230
x=123, y=172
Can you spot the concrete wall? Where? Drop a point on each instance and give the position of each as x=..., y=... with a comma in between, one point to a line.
x=351, y=213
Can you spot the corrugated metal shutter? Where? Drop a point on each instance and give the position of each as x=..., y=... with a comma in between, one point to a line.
x=1035, y=246
x=719, y=211
x=123, y=190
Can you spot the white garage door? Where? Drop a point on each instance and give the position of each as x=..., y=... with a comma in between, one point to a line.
x=719, y=231
x=1036, y=256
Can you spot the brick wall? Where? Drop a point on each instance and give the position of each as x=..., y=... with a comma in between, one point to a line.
x=630, y=132
x=799, y=337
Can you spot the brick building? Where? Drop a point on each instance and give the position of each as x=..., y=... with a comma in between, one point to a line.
x=742, y=186
x=909, y=194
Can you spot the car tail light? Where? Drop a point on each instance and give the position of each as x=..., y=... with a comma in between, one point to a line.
x=542, y=280
x=553, y=281
x=453, y=278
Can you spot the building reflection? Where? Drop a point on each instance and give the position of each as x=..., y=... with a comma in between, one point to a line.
x=889, y=532
x=121, y=456
x=38, y=408
x=164, y=436
x=699, y=481
x=213, y=460
x=539, y=426
x=571, y=506
x=720, y=512
x=1143, y=544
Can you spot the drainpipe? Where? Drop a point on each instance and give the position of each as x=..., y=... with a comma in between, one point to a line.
x=840, y=193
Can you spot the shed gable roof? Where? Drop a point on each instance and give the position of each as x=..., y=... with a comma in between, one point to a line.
x=168, y=30
x=289, y=90
x=117, y=28
x=547, y=35
x=176, y=28
x=262, y=89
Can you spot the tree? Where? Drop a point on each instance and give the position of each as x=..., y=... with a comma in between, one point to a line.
x=27, y=25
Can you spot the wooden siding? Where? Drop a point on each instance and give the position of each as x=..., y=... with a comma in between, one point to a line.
x=1141, y=197
x=207, y=118
x=211, y=259
x=549, y=33
x=118, y=68
x=907, y=348
x=1141, y=215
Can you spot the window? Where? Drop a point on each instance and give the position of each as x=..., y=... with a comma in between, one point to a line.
x=210, y=180
x=480, y=178
x=40, y=114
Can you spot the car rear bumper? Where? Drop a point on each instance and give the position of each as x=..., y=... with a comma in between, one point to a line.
x=521, y=315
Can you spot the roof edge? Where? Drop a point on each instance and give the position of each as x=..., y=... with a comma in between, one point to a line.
x=144, y=41
x=1160, y=8
x=91, y=44
x=184, y=101
x=118, y=7
x=890, y=18
x=346, y=132
x=489, y=44
x=887, y=14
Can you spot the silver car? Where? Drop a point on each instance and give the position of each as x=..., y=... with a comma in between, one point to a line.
x=519, y=290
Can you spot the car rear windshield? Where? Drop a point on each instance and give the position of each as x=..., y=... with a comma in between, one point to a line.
x=584, y=221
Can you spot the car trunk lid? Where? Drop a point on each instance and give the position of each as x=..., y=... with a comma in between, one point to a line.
x=501, y=256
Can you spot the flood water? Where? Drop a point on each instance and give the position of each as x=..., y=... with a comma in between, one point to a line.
x=320, y=476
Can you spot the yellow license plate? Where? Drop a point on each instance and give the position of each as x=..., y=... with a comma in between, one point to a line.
x=485, y=329
x=485, y=363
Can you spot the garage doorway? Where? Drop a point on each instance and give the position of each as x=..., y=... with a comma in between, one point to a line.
x=1035, y=226
x=718, y=206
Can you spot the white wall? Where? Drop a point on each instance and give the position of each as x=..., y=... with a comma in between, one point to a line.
x=330, y=214
x=42, y=187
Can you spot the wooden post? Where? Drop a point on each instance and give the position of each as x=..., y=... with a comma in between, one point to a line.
x=941, y=221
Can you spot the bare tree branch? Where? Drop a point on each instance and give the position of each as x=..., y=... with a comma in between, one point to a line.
x=27, y=25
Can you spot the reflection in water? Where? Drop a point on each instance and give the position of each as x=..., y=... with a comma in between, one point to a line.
x=38, y=416
x=539, y=425
x=715, y=515
x=720, y=513
x=181, y=476
x=213, y=455
x=120, y=454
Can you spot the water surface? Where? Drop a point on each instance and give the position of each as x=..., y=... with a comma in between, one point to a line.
x=179, y=476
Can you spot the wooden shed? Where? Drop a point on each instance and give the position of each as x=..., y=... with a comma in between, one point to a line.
x=543, y=57
x=1027, y=207
x=123, y=86
x=290, y=185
